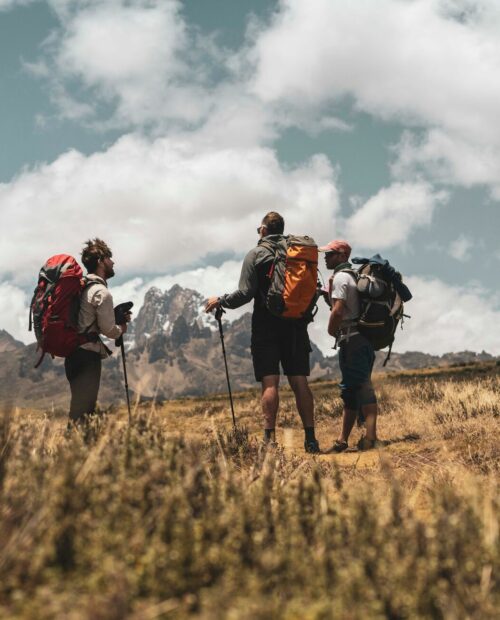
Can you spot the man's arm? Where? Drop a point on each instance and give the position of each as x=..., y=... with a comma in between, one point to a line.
x=247, y=287
x=336, y=316
x=105, y=314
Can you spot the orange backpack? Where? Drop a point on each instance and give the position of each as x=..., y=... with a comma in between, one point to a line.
x=293, y=277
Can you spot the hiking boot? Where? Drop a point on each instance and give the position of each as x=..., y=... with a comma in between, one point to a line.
x=312, y=446
x=339, y=446
x=371, y=444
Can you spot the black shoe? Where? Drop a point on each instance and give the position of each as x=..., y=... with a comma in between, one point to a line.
x=312, y=447
x=371, y=444
x=340, y=446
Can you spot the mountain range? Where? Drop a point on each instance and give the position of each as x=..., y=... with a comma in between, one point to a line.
x=173, y=350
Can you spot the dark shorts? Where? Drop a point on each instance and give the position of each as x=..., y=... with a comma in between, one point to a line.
x=278, y=341
x=356, y=358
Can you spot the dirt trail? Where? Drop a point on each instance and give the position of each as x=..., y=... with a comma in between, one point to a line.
x=292, y=441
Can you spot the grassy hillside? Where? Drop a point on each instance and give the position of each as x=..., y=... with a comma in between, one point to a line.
x=179, y=517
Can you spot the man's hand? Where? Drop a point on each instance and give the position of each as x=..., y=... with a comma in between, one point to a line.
x=124, y=326
x=322, y=292
x=212, y=304
x=336, y=316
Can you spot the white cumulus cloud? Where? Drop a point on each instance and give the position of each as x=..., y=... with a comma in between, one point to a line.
x=448, y=158
x=128, y=63
x=388, y=218
x=449, y=318
x=14, y=311
x=160, y=204
x=130, y=54
x=430, y=64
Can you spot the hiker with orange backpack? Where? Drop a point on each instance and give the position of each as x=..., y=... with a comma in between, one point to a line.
x=280, y=275
x=69, y=312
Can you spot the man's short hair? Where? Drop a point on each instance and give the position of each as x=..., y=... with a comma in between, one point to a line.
x=93, y=251
x=274, y=223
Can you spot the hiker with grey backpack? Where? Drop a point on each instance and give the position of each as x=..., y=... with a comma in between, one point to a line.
x=366, y=307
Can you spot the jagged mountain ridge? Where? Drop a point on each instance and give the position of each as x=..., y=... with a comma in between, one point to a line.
x=177, y=349
x=170, y=313
x=8, y=342
x=173, y=349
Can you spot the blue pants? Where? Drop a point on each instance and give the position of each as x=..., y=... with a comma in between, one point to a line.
x=356, y=358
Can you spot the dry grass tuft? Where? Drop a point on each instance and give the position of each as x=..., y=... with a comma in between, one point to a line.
x=181, y=516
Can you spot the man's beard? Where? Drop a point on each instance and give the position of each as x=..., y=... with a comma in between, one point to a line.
x=110, y=272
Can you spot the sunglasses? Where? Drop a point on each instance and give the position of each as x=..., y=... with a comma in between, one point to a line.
x=332, y=252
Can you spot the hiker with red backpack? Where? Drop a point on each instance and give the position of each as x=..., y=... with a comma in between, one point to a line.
x=96, y=316
x=366, y=307
x=280, y=275
x=69, y=313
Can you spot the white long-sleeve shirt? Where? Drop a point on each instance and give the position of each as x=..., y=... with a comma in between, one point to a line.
x=97, y=314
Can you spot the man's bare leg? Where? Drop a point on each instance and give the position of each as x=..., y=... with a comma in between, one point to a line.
x=270, y=402
x=303, y=399
x=305, y=406
x=370, y=413
x=348, y=420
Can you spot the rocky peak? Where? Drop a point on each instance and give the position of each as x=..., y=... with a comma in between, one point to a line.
x=161, y=311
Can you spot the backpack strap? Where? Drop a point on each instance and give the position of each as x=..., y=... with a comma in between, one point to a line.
x=350, y=271
x=40, y=360
x=30, y=322
x=88, y=284
x=273, y=246
x=388, y=357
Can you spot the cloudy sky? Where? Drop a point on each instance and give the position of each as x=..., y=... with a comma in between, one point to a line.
x=170, y=127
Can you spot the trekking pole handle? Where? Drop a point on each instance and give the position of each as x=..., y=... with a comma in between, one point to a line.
x=121, y=312
x=219, y=312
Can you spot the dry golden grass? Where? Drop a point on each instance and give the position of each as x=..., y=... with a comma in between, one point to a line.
x=179, y=517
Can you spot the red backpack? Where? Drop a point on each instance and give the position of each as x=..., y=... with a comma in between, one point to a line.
x=55, y=306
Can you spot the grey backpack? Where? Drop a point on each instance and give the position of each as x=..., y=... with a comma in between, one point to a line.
x=380, y=304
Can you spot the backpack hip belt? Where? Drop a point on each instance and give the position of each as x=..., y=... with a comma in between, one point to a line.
x=344, y=333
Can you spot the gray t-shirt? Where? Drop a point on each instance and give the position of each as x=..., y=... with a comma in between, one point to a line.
x=344, y=287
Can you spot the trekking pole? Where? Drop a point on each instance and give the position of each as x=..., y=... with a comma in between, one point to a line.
x=120, y=312
x=122, y=347
x=218, y=315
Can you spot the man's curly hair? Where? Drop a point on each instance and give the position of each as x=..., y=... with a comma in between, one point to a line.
x=93, y=251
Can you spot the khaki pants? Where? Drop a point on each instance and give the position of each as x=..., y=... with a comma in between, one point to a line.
x=83, y=371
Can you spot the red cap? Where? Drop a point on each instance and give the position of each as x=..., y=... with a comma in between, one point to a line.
x=337, y=245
